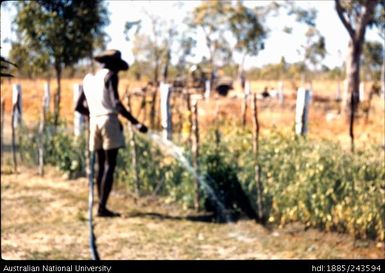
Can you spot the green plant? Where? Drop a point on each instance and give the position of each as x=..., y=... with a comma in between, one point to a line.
x=61, y=148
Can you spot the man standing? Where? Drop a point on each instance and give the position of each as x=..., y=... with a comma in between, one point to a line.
x=100, y=92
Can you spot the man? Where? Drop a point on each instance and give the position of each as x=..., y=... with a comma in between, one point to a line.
x=100, y=92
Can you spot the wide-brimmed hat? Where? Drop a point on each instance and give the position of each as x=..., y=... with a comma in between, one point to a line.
x=112, y=58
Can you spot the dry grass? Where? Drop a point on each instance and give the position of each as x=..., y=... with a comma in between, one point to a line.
x=45, y=218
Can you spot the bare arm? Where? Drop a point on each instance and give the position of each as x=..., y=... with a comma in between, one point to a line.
x=112, y=86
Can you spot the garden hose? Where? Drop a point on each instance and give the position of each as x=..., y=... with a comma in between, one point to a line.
x=92, y=238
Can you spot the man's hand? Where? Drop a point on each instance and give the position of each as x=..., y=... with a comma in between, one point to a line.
x=141, y=128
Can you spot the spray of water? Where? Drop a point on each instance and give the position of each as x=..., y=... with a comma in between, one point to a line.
x=170, y=148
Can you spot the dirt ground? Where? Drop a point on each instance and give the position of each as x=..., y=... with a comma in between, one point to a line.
x=46, y=218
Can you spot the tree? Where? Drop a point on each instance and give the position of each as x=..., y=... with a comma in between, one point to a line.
x=372, y=57
x=186, y=45
x=67, y=30
x=245, y=25
x=356, y=16
x=314, y=49
x=212, y=18
x=154, y=51
x=31, y=63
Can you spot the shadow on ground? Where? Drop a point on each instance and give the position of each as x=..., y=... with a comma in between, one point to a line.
x=205, y=218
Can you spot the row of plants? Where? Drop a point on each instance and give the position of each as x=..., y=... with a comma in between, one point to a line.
x=61, y=148
x=313, y=182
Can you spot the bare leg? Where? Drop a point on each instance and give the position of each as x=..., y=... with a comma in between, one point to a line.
x=107, y=182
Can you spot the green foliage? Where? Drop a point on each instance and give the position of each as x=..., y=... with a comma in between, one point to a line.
x=61, y=149
x=159, y=173
x=4, y=64
x=313, y=182
x=316, y=183
x=61, y=31
x=372, y=58
x=319, y=184
x=216, y=18
x=247, y=29
x=31, y=63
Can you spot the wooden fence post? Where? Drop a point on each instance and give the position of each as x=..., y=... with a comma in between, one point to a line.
x=245, y=99
x=143, y=108
x=133, y=149
x=43, y=117
x=195, y=153
x=190, y=118
x=207, y=89
x=281, y=96
x=153, y=107
x=258, y=182
x=361, y=93
x=16, y=119
x=42, y=138
x=78, y=118
x=338, y=93
x=17, y=101
x=345, y=96
x=47, y=96
x=165, y=110
x=302, y=109
x=2, y=128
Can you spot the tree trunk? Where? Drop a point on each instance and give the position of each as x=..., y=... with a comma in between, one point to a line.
x=165, y=71
x=156, y=71
x=357, y=38
x=353, y=76
x=57, y=95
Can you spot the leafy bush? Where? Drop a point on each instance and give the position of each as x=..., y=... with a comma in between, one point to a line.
x=61, y=148
x=159, y=173
x=319, y=184
x=313, y=182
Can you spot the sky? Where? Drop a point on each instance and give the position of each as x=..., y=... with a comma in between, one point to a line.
x=277, y=44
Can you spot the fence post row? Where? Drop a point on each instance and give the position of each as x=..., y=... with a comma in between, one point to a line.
x=301, y=111
x=165, y=92
x=78, y=118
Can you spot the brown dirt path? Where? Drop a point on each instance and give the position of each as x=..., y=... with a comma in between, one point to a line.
x=46, y=218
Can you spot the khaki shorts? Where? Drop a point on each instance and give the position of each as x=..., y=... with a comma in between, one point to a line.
x=106, y=132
